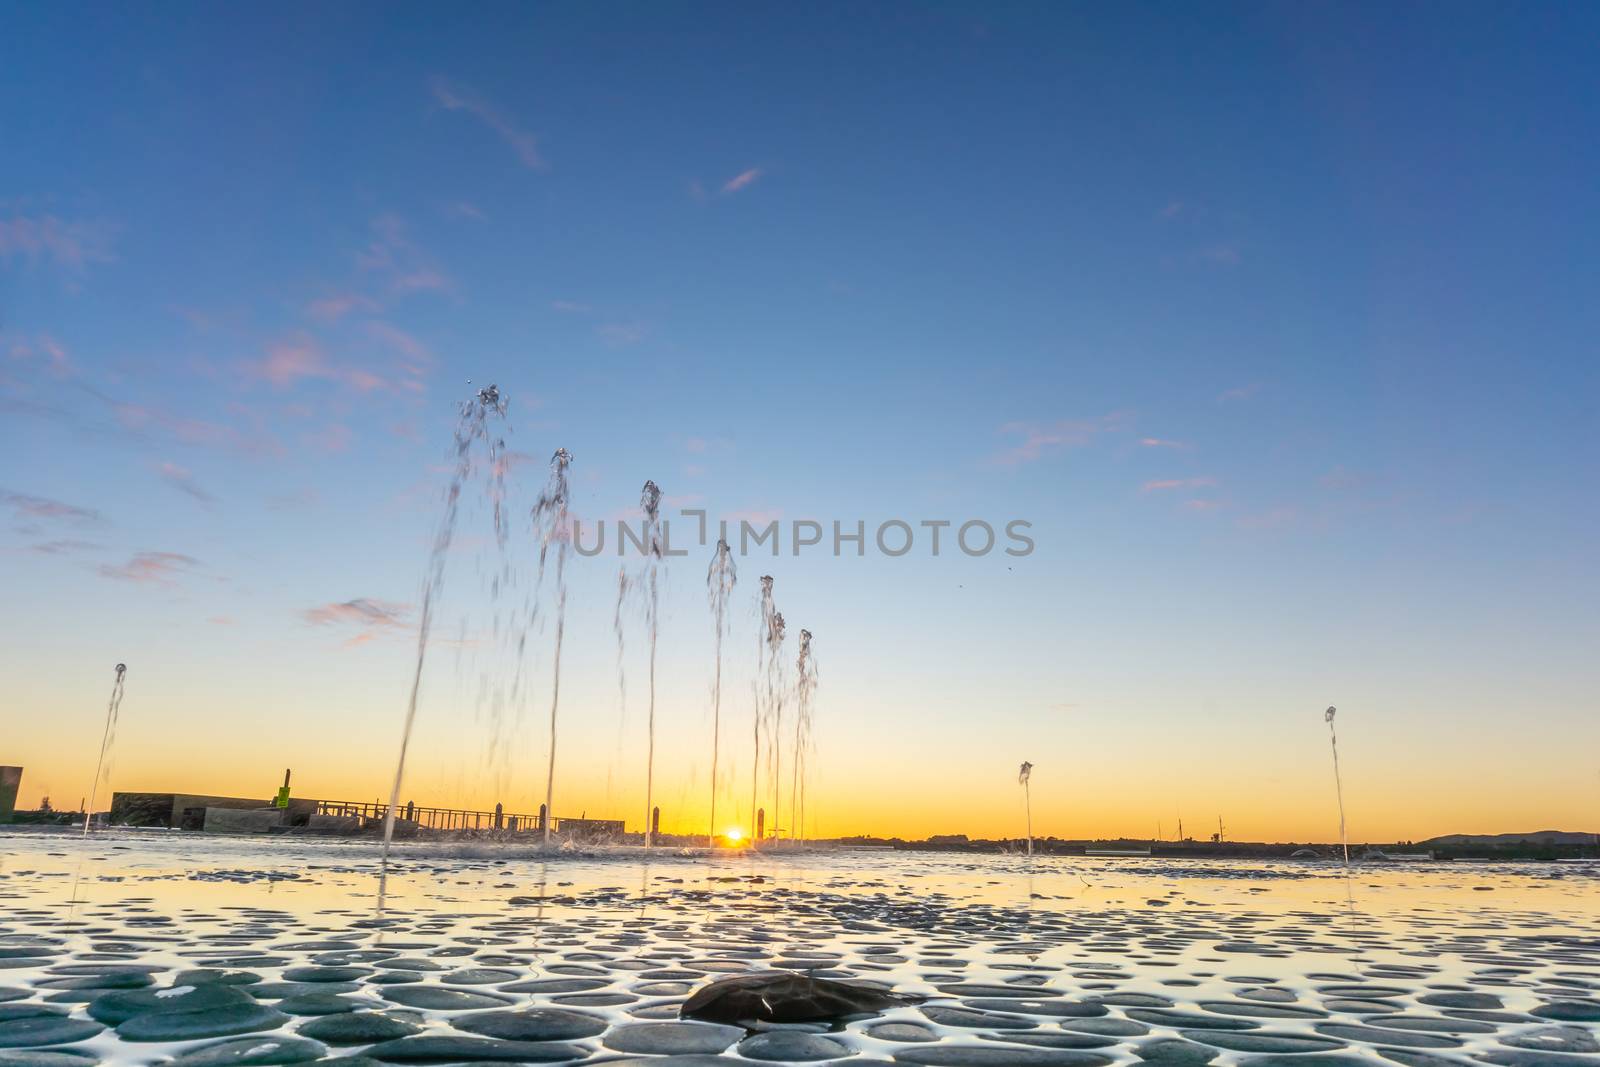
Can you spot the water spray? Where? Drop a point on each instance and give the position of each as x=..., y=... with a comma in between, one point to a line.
x=550, y=523
x=112, y=707
x=1024, y=773
x=720, y=579
x=1338, y=785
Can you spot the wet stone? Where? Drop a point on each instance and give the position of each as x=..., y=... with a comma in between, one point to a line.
x=358, y=1028
x=251, y=1052
x=533, y=1024
x=907, y=1033
x=1261, y=1041
x=792, y=1046
x=120, y=1005
x=436, y=998
x=555, y=985
x=1461, y=1000
x=215, y=976
x=1171, y=1052
x=46, y=1030
x=975, y=1019
x=1373, y=1035
x=326, y=974
x=1106, y=1027
x=1570, y=1011
x=60, y=1057
x=943, y=1055
x=1071, y=1009
x=481, y=976
x=672, y=1038
x=28, y=1011
x=319, y=1004
x=445, y=1048
x=1555, y=1039
x=1176, y=1019
x=282, y=990
x=205, y=1022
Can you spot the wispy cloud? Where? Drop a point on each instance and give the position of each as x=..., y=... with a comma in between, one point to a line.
x=1226, y=255
x=570, y=307
x=200, y=433
x=63, y=546
x=183, y=481
x=742, y=180
x=1160, y=442
x=1240, y=392
x=289, y=362
x=335, y=307
x=49, y=352
x=392, y=254
x=457, y=97
x=620, y=333
x=464, y=209
x=49, y=240
x=1041, y=439
x=1163, y=484
x=369, y=617
x=38, y=507
x=159, y=568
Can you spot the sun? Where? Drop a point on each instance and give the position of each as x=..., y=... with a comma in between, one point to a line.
x=734, y=835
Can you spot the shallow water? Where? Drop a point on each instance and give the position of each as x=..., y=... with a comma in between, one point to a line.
x=1083, y=963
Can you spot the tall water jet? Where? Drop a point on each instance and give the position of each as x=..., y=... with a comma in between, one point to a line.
x=720, y=579
x=651, y=543
x=550, y=524
x=763, y=635
x=1023, y=774
x=805, y=690
x=1338, y=784
x=113, y=706
x=472, y=427
x=775, y=699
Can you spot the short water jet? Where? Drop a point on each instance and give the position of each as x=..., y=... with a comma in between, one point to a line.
x=112, y=708
x=550, y=524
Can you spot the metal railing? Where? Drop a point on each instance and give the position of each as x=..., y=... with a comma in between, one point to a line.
x=439, y=818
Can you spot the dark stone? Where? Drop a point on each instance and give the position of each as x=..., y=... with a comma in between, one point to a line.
x=121, y=1005
x=787, y=997
x=672, y=1039
x=445, y=1048
x=203, y=1022
x=533, y=1024
x=251, y=1052
x=792, y=1046
x=358, y=1028
x=46, y=1030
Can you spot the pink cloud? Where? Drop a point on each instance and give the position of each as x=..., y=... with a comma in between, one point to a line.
x=460, y=98
x=287, y=363
x=742, y=180
x=72, y=245
x=139, y=418
x=1240, y=392
x=160, y=568
x=1177, y=483
x=1157, y=442
x=1039, y=439
x=334, y=308
x=181, y=480
x=362, y=611
x=38, y=507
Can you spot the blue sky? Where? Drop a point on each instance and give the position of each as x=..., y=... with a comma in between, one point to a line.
x=1276, y=322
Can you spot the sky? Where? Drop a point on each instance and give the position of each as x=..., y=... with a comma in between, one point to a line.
x=1276, y=324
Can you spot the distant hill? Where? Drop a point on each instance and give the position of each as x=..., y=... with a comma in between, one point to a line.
x=1537, y=837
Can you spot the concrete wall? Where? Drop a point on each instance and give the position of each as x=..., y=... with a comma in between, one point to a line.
x=242, y=821
x=334, y=824
x=10, y=785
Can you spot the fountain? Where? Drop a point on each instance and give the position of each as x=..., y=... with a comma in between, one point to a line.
x=112, y=707
x=1024, y=773
x=1338, y=785
x=472, y=426
x=763, y=640
x=652, y=545
x=720, y=579
x=805, y=690
x=550, y=524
